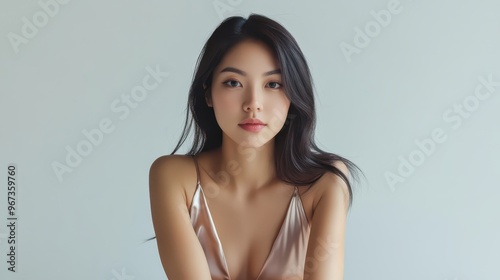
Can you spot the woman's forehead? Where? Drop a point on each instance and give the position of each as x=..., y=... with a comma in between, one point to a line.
x=249, y=56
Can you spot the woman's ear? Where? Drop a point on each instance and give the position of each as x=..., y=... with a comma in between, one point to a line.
x=208, y=99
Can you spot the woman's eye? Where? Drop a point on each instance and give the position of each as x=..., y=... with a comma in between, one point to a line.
x=234, y=83
x=231, y=83
x=275, y=85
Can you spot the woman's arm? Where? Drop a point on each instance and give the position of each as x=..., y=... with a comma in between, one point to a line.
x=180, y=251
x=325, y=251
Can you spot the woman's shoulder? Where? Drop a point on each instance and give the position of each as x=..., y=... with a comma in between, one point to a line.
x=177, y=171
x=181, y=160
x=170, y=163
x=164, y=159
x=328, y=181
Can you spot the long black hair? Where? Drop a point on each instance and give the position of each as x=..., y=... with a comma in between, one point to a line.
x=298, y=160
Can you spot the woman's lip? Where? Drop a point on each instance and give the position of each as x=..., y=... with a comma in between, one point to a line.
x=252, y=121
x=252, y=127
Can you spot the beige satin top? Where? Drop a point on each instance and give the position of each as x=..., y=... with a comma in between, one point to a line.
x=287, y=257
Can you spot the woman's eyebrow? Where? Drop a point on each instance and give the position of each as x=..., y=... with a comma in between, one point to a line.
x=241, y=72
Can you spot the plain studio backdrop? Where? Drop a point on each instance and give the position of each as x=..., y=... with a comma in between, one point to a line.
x=408, y=90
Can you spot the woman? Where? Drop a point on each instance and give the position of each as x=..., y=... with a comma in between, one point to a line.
x=254, y=198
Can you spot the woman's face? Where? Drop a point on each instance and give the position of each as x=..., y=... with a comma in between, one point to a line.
x=246, y=85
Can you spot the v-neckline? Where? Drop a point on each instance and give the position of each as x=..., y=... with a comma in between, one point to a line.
x=220, y=243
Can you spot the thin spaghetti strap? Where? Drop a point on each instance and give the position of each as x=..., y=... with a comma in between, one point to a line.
x=197, y=170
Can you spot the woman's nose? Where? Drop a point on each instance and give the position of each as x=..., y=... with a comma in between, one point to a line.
x=253, y=101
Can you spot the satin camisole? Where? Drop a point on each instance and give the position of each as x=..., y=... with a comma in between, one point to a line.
x=286, y=259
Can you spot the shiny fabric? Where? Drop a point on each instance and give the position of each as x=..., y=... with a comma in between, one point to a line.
x=287, y=257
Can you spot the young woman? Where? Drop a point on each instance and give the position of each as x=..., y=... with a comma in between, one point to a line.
x=254, y=198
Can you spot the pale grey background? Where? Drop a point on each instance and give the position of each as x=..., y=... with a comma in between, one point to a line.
x=440, y=223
